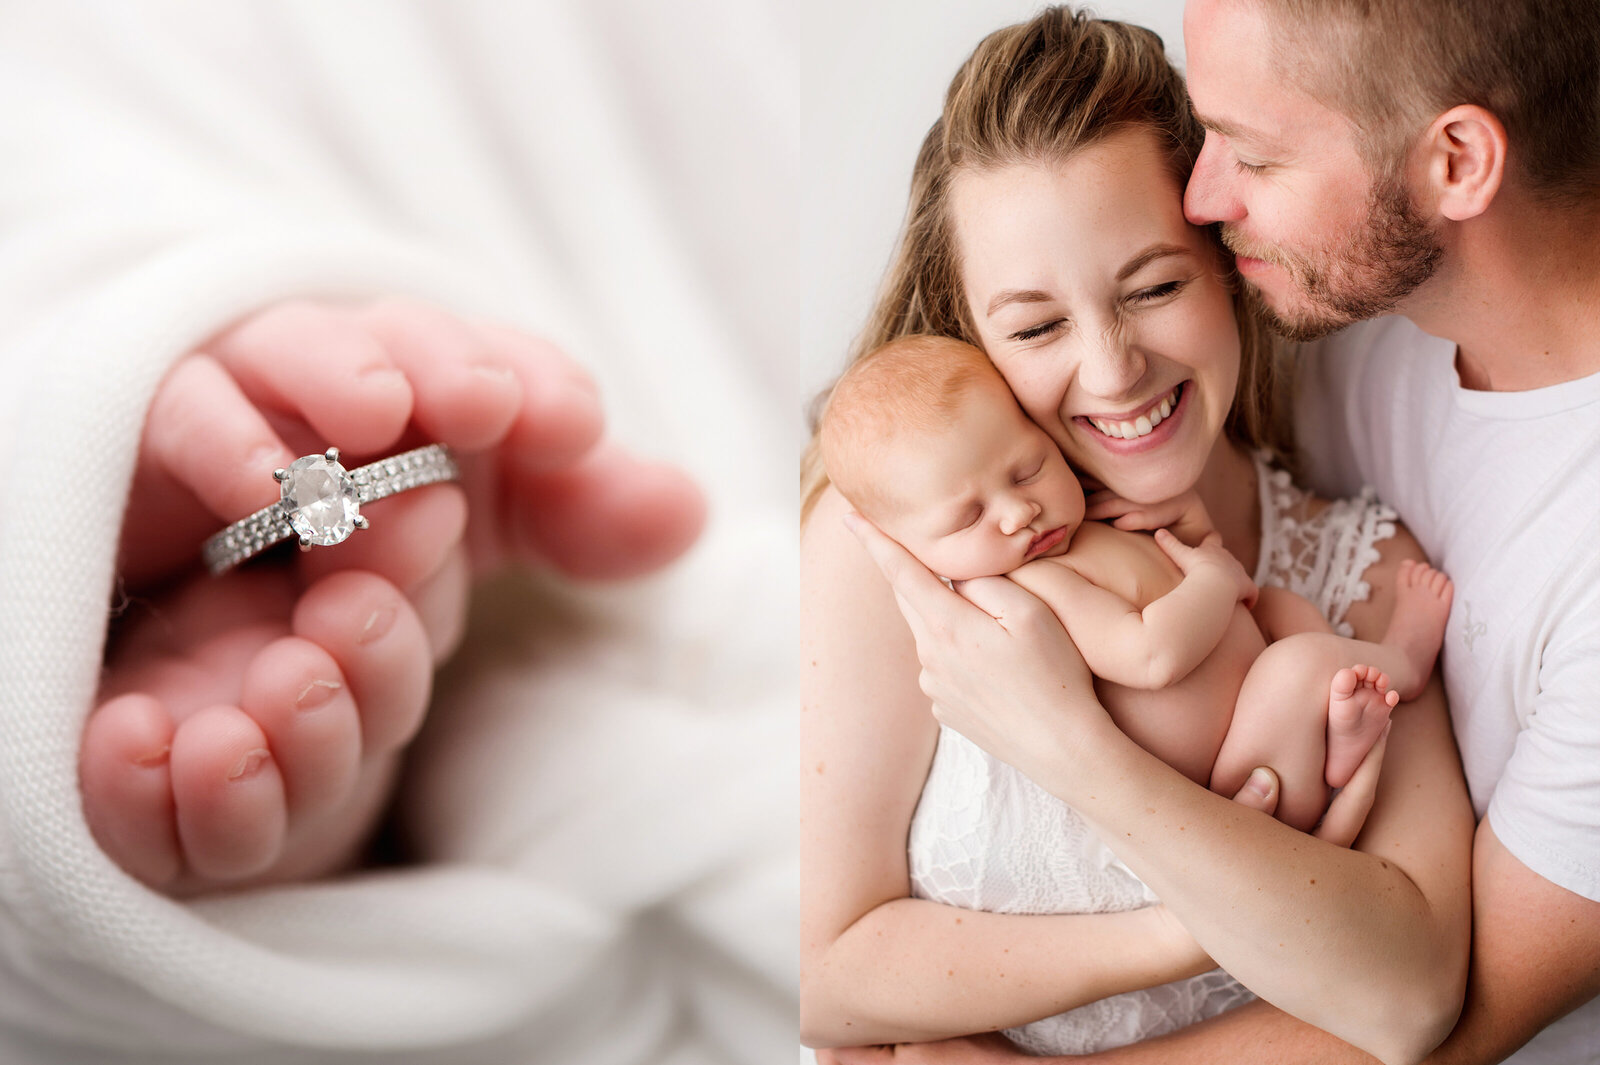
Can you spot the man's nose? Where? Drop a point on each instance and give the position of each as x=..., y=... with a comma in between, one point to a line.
x=1018, y=513
x=1211, y=195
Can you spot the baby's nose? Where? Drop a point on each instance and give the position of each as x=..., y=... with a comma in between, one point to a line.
x=1019, y=513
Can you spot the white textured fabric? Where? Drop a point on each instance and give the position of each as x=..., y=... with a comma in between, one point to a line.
x=985, y=837
x=580, y=170
x=1502, y=489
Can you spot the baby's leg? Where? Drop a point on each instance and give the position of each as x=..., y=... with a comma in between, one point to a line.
x=1280, y=720
x=1361, y=697
x=1314, y=733
x=1285, y=719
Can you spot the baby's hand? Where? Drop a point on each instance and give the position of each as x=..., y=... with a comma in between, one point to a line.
x=1185, y=515
x=186, y=704
x=1210, y=553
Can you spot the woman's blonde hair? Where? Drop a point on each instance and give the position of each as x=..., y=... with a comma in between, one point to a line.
x=1038, y=92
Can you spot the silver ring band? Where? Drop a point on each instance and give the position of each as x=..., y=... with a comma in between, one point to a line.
x=320, y=502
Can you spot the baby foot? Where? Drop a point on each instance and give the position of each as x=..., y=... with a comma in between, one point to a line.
x=1359, y=702
x=251, y=738
x=1416, y=629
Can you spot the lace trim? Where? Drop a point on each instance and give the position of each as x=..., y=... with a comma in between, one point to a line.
x=1321, y=556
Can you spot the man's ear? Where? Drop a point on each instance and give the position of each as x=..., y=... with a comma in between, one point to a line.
x=1465, y=152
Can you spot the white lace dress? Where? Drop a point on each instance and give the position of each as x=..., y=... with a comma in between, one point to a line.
x=985, y=837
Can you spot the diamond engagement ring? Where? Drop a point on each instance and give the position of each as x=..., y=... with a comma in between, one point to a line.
x=321, y=502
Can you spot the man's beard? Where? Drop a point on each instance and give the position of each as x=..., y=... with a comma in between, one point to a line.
x=1384, y=260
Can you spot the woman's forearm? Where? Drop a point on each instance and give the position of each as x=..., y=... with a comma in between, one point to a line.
x=912, y=970
x=1368, y=944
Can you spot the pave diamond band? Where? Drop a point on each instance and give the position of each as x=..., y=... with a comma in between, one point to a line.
x=320, y=502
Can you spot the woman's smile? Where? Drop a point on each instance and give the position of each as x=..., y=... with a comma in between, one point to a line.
x=1144, y=430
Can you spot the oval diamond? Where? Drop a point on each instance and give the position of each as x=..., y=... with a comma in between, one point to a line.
x=320, y=500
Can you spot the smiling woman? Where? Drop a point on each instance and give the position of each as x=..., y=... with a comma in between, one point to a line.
x=1129, y=309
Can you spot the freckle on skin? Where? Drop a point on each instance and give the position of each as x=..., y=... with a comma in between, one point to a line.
x=958, y=920
x=1313, y=880
x=820, y=767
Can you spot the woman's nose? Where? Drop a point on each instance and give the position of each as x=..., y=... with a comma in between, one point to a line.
x=1113, y=367
x=1018, y=513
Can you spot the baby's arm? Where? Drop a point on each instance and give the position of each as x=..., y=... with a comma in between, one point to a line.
x=1158, y=646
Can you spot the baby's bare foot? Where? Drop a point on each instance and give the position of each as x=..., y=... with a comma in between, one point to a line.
x=1421, y=610
x=1359, y=702
x=192, y=781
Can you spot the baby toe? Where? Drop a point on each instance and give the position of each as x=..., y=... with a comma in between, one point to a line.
x=123, y=770
x=467, y=394
x=322, y=366
x=378, y=641
x=296, y=693
x=228, y=794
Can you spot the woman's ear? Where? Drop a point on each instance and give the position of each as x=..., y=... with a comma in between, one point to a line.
x=1465, y=150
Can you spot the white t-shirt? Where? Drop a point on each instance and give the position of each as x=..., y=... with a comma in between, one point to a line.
x=1502, y=489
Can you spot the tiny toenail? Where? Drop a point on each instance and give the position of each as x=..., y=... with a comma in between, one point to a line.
x=576, y=391
x=383, y=374
x=502, y=376
x=154, y=758
x=378, y=623
x=316, y=693
x=250, y=764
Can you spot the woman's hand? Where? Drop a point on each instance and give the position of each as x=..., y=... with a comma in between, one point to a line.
x=996, y=661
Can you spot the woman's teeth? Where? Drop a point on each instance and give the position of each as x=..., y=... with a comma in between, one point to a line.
x=1143, y=425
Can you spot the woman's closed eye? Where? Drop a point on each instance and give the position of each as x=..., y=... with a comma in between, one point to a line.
x=1159, y=292
x=1044, y=329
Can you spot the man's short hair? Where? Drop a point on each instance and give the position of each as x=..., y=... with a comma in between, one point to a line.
x=1392, y=65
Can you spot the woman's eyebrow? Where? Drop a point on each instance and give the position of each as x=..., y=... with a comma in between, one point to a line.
x=1148, y=256
x=1015, y=295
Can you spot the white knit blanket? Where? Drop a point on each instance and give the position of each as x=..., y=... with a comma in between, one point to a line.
x=605, y=790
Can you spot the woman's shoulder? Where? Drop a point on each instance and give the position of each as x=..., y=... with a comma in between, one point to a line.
x=827, y=547
x=840, y=586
